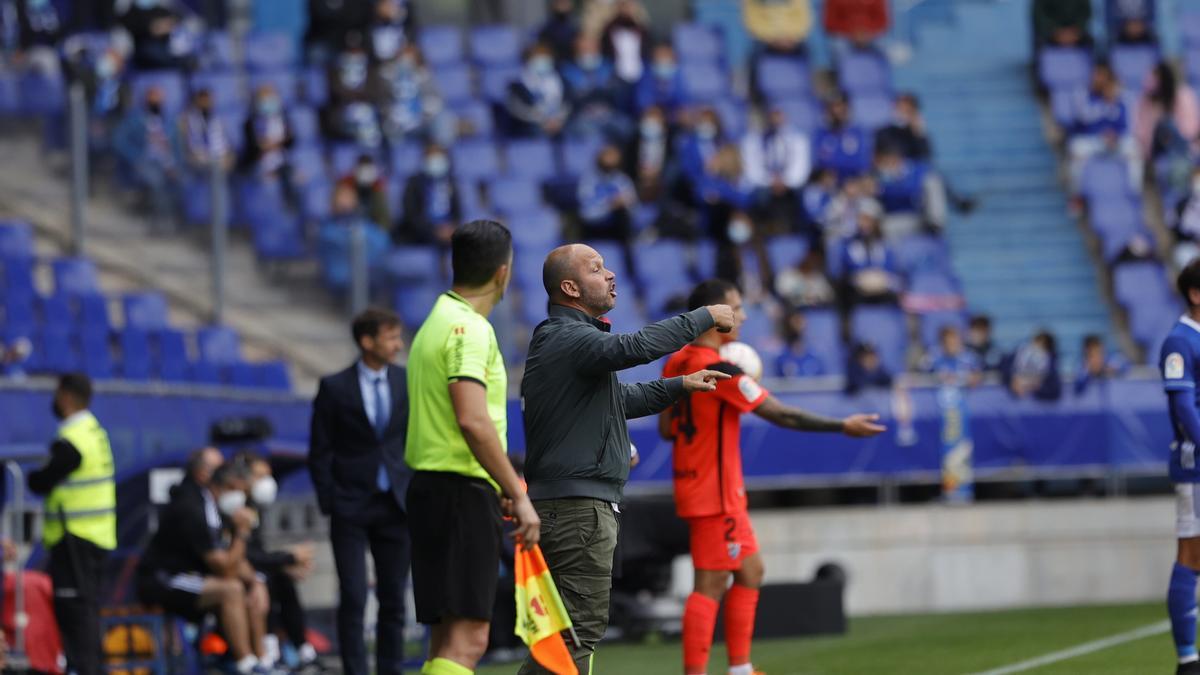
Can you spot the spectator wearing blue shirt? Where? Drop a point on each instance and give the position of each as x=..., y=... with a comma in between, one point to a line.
x=869, y=272
x=335, y=235
x=431, y=208
x=797, y=360
x=648, y=156
x=953, y=364
x=908, y=188
x=839, y=144
x=203, y=135
x=537, y=102
x=661, y=83
x=1103, y=124
x=408, y=102
x=777, y=161
x=147, y=146
x=591, y=88
x=980, y=342
x=606, y=199
x=1033, y=370
x=560, y=29
x=1098, y=365
x=1130, y=21
x=725, y=199
x=697, y=149
x=866, y=370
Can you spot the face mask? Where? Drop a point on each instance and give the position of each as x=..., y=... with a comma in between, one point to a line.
x=664, y=69
x=264, y=491
x=651, y=128
x=106, y=67
x=589, y=61
x=437, y=165
x=231, y=502
x=541, y=65
x=268, y=106
x=706, y=131
x=739, y=231
x=366, y=174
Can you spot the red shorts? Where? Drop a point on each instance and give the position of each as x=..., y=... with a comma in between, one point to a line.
x=723, y=541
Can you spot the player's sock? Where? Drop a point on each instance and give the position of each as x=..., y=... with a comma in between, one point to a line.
x=744, y=669
x=699, y=622
x=440, y=666
x=741, y=603
x=247, y=663
x=1181, y=606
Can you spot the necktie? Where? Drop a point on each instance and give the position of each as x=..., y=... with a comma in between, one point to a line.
x=382, y=416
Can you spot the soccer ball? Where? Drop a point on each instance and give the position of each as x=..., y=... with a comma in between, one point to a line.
x=743, y=356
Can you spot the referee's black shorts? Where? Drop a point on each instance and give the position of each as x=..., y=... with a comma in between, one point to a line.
x=455, y=526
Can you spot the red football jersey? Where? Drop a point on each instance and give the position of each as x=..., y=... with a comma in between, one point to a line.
x=707, y=426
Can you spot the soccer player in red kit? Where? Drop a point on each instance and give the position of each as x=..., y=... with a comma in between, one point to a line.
x=710, y=493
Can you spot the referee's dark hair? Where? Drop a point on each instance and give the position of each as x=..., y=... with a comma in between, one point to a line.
x=477, y=250
x=1189, y=280
x=711, y=292
x=370, y=321
x=78, y=386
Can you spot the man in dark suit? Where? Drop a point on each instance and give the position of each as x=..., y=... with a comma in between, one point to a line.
x=356, y=457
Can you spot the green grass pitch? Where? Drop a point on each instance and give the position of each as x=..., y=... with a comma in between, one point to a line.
x=932, y=644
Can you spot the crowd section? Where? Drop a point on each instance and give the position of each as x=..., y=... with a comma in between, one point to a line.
x=817, y=191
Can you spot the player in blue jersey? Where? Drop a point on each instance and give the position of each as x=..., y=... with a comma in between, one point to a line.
x=1180, y=366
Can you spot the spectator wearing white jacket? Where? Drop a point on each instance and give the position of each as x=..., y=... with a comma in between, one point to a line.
x=776, y=162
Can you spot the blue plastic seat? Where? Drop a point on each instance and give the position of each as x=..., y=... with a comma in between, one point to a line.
x=75, y=277
x=1116, y=216
x=413, y=265
x=273, y=375
x=785, y=252
x=41, y=93
x=216, y=50
x=145, y=310
x=1134, y=281
x=406, y=158
x=135, y=354
x=921, y=252
x=578, y=155
x=475, y=159
x=96, y=355
x=441, y=45
x=1132, y=64
x=58, y=311
x=413, y=302
x=532, y=158
x=662, y=269
x=1104, y=178
x=823, y=335
x=802, y=113
x=453, y=83
x=343, y=157
x=315, y=83
x=93, y=314
x=477, y=118
x=279, y=236
x=285, y=82
x=883, y=327
x=513, y=195
x=228, y=90
x=306, y=128
x=206, y=372
x=19, y=313
x=242, y=374
x=495, y=45
x=10, y=94
x=494, y=81
x=170, y=355
x=16, y=239
x=871, y=110
x=734, y=115
x=536, y=231
x=697, y=43
x=170, y=82
x=1064, y=67
x=270, y=51
x=704, y=82
x=59, y=354
x=218, y=345
x=864, y=71
x=783, y=77
x=933, y=322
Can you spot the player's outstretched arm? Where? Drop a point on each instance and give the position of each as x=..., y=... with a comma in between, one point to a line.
x=779, y=414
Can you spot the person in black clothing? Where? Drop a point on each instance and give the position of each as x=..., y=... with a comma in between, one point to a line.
x=152, y=23
x=906, y=135
x=866, y=370
x=268, y=137
x=194, y=565
x=430, y=204
x=389, y=29
x=328, y=23
x=560, y=29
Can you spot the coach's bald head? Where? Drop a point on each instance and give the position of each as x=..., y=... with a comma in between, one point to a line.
x=574, y=276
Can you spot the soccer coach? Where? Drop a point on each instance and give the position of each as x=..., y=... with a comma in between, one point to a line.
x=577, y=443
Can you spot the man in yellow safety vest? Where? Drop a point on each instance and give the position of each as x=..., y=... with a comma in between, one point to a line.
x=80, y=520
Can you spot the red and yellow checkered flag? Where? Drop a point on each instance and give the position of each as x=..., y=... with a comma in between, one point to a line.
x=541, y=616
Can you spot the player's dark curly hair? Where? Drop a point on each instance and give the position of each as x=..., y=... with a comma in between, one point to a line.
x=1189, y=280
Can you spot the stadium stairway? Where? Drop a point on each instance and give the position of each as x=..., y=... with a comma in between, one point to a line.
x=1020, y=257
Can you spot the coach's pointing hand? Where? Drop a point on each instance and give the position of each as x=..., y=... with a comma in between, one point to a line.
x=722, y=316
x=529, y=526
x=703, y=380
x=862, y=426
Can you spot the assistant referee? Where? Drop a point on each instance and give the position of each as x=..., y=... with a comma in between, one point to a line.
x=457, y=430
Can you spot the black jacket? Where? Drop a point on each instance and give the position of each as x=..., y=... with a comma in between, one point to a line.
x=576, y=439
x=343, y=451
x=414, y=227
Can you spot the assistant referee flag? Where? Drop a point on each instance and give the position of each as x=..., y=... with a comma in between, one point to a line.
x=541, y=616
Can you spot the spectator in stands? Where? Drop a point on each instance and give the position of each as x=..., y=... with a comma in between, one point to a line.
x=268, y=137
x=806, y=285
x=906, y=134
x=1033, y=370
x=329, y=21
x=190, y=568
x=858, y=20
x=1061, y=22
x=387, y=33
x=908, y=189
x=865, y=370
x=648, y=155
x=779, y=28
x=160, y=37
x=869, y=272
x=725, y=199
x=1102, y=125
x=839, y=219
x=14, y=356
x=367, y=181
x=1098, y=365
x=408, y=101
x=625, y=41
x=661, y=84
x=776, y=162
x=39, y=29
x=1130, y=21
x=796, y=359
x=817, y=197
x=1187, y=224
x=697, y=149
x=283, y=568
x=979, y=341
x=147, y=146
x=840, y=144
x=203, y=135
x=1167, y=122
x=591, y=91
x=100, y=66
x=560, y=29
x=606, y=200
x=536, y=102
x=345, y=214
x=954, y=364
x=431, y=208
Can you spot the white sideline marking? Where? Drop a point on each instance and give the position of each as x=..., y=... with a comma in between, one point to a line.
x=1082, y=649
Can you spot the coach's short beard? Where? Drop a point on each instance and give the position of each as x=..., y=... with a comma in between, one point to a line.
x=600, y=304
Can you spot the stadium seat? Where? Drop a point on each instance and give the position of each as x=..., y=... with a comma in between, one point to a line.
x=19, y=314
x=413, y=302
x=1133, y=281
x=662, y=270
x=59, y=353
x=171, y=84
x=228, y=90
x=782, y=77
x=406, y=158
x=146, y=310
x=476, y=118
x=205, y=372
x=412, y=264
x=532, y=158
x=171, y=359
x=537, y=231
x=1064, y=67
x=474, y=159
x=279, y=236
x=1062, y=106
x=285, y=83
x=497, y=45
x=785, y=252
x=734, y=115
x=41, y=93
x=884, y=328
x=58, y=310
x=218, y=345
x=932, y=282
x=234, y=122
x=1132, y=63
x=1115, y=216
x=306, y=128
x=697, y=43
x=270, y=51
x=273, y=375
x=135, y=354
x=75, y=276
x=242, y=374
x=315, y=83
x=308, y=163
x=802, y=113
x=494, y=81
x=823, y=338
x=871, y=110
x=704, y=82
x=933, y=322
x=453, y=83
x=216, y=50
x=514, y=195
x=93, y=314
x=16, y=239
x=343, y=156
x=864, y=71
x=579, y=154
x=441, y=45
x=96, y=355
x=10, y=94
x=921, y=252
x=1105, y=178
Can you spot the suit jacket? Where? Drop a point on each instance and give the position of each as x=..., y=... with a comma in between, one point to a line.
x=344, y=452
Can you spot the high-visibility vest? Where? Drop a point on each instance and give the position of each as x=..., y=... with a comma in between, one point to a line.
x=85, y=504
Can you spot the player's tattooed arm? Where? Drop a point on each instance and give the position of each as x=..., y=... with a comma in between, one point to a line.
x=775, y=412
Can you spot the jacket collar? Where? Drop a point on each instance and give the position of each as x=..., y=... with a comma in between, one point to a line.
x=572, y=314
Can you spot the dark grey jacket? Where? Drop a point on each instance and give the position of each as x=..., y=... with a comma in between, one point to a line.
x=576, y=440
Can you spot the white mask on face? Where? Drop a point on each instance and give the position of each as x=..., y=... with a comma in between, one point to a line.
x=264, y=491
x=231, y=502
